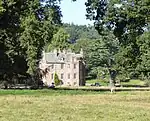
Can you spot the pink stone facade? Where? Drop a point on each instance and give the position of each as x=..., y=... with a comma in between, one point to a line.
x=69, y=67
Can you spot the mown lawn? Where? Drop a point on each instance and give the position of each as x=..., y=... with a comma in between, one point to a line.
x=73, y=105
x=134, y=82
x=106, y=83
x=93, y=81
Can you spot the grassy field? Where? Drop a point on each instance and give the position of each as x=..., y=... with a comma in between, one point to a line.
x=73, y=105
x=133, y=82
x=104, y=83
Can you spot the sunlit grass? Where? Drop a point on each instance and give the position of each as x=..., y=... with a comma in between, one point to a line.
x=134, y=82
x=106, y=83
x=102, y=82
x=48, y=105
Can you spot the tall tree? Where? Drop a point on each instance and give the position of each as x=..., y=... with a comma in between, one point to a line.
x=59, y=40
x=9, y=29
x=25, y=27
x=144, y=58
x=127, y=20
x=38, y=28
x=101, y=54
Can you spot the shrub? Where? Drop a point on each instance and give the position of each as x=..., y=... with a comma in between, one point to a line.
x=56, y=80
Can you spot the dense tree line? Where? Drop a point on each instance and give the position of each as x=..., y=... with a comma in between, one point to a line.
x=77, y=32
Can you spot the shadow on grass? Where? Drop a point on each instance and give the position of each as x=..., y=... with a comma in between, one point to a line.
x=48, y=92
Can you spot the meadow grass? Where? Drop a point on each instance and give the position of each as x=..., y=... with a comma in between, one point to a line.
x=73, y=105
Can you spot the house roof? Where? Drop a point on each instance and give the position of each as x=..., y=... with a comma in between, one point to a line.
x=52, y=57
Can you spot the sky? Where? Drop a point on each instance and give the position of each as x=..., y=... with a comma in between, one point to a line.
x=74, y=12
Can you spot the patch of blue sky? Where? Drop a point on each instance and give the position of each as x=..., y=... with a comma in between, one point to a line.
x=74, y=12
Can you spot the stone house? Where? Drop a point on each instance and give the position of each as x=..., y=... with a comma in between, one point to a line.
x=69, y=67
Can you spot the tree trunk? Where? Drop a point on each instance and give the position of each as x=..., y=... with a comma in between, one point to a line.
x=112, y=74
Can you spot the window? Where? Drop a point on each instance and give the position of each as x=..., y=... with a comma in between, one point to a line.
x=74, y=66
x=62, y=66
x=75, y=75
x=68, y=76
x=62, y=76
x=73, y=59
x=68, y=65
x=52, y=75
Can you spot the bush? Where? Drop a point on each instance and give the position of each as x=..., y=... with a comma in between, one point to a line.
x=56, y=80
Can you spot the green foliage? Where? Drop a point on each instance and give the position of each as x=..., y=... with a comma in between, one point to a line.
x=147, y=83
x=10, y=51
x=57, y=81
x=144, y=58
x=59, y=41
x=128, y=20
x=123, y=15
x=100, y=56
x=36, y=34
x=25, y=28
x=77, y=32
x=82, y=43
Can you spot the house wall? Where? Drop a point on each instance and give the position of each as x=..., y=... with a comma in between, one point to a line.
x=74, y=68
x=69, y=70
